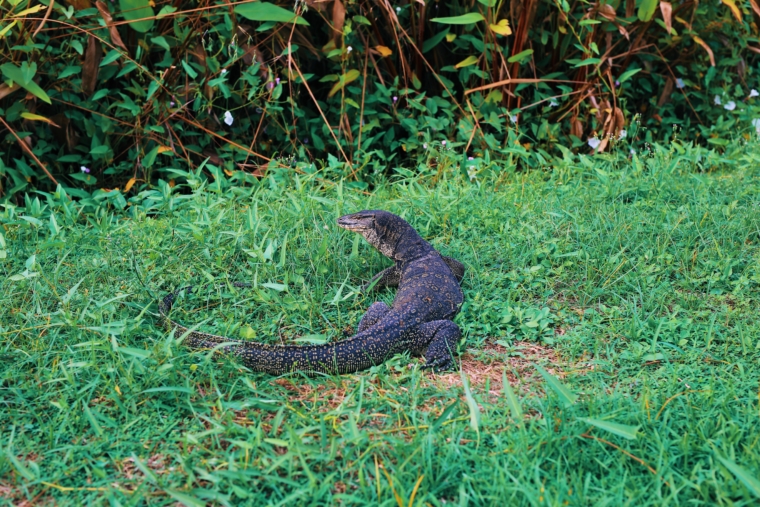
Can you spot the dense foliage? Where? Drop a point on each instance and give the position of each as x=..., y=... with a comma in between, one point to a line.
x=119, y=94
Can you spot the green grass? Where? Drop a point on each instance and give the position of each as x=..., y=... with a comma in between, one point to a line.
x=644, y=278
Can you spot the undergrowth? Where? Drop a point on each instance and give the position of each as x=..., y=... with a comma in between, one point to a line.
x=644, y=277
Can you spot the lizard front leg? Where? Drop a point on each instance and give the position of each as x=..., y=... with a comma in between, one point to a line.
x=389, y=277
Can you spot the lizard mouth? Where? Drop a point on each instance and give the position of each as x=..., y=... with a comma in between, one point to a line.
x=356, y=222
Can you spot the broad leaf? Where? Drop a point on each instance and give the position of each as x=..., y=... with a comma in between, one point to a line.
x=133, y=10
x=264, y=11
x=464, y=19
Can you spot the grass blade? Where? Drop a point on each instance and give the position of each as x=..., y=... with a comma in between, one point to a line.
x=512, y=401
x=742, y=474
x=621, y=430
x=566, y=395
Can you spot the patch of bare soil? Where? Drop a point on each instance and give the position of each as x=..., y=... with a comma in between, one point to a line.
x=485, y=368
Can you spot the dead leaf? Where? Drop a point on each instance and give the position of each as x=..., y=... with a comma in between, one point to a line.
x=338, y=19
x=755, y=6
x=127, y=188
x=666, y=8
x=91, y=66
x=607, y=11
x=112, y=30
x=666, y=91
x=6, y=90
x=79, y=4
x=383, y=50
x=64, y=133
x=36, y=117
x=734, y=9
x=707, y=48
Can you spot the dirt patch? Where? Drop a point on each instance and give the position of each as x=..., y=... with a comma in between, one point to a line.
x=484, y=368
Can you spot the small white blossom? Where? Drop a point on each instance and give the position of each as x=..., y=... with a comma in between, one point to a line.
x=395, y=99
x=398, y=10
x=594, y=142
x=424, y=146
x=680, y=83
x=623, y=134
x=753, y=93
x=633, y=152
x=472, y=173
x=224, y=71
x=228, y=118
x=171, y=104
x=730, y=105
x=85, y=170
x=717, y=100
x=443, y=143
x=553, y=103
x=756, y=124
x=513, y=118
x=349, y=49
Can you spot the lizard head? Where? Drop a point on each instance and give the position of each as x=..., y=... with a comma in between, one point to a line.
x=381, y=229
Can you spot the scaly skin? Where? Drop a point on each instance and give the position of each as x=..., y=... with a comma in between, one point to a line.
x=420, y=320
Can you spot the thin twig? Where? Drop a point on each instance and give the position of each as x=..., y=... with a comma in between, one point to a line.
x=29, y=151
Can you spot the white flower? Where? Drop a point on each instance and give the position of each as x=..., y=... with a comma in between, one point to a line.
x=228, y=118
x=470, y=158
x=443, y=143
x=224, y=71
x=513, y=118
x=424, y=146
x=398, y=10
x=553, y=103
x=472, y=173
x=756, y=124
x=623, y=134
x=753, y=93
x=349, y=49
x=633, y=152
x=717, y=100
x=395, y=99
x=730, y=105
x=680, y=83
x=594, y=142
x=85, y=170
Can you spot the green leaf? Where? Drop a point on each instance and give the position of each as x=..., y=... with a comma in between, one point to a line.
x=467, y=62
x=15, y=74
x=28, y=70
x=71, y=70
x=165, y=11
x=646, y=9
x=471, y=403
x=434, y=40
x=628, y=75
x=588, y=61
x=346, y=78
x=148, y=159
x=189, y=70
x=512, y=401
x=621, y=430
x=567, y=396
x=743, y=475
x=361, y=20
x=464, y=19
x=185, y=499
x=264, y=11
x=133, y=10
x=519, y=57
x=111, y=57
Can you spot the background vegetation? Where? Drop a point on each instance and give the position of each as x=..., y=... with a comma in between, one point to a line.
x=642, y=275
x=116, y=95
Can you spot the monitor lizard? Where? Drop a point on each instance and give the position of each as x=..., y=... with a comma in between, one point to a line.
x=420, y=319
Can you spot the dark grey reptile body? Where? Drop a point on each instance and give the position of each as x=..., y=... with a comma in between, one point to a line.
x=418, y=321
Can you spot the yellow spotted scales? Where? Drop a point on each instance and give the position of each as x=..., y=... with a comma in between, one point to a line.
x=418, y=321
